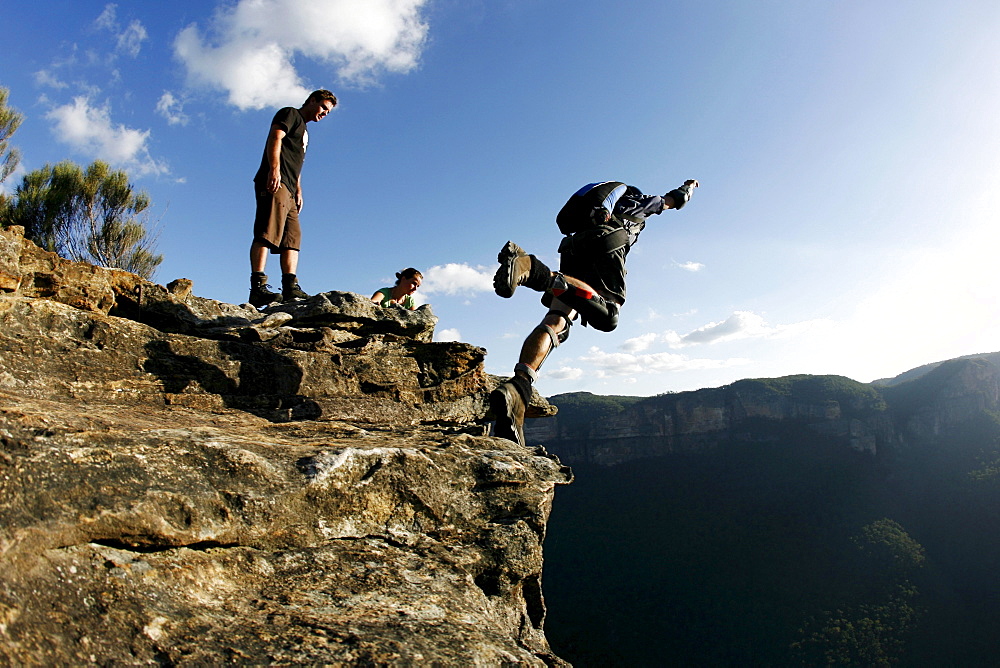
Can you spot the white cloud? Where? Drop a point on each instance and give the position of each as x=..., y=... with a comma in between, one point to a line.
x=448, y=335
x=129, y=40
x=564, y=373
x=46, y=78
x=90, y=130
x=638, y=343
x=740, y=325
x=258, y=40
x=454, y=278
x=651, y=315
x=627, y=364
x=690, y=266
x=255, y=76
x=171, y=109
x=108, y=19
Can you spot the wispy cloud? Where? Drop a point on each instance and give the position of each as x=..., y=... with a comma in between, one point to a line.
x=108, y=18
x=45, y=78
x=651, y=315
x=256, y=41
x=634, y=358
x=454, y=278
x=89, y=130
x=690, y=266
x=639, y=343
x=171, y=109
x=128, y=40
x=564, y=373
x=740, y=325
x=607, y=364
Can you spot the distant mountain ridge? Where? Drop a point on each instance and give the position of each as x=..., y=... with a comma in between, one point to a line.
x=913, y=374
x=861, y=416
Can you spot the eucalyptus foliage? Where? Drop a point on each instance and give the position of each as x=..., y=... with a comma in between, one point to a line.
x=90, y=215
x=10, y=121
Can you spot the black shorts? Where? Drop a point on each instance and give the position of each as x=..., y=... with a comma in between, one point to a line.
x=604, y=271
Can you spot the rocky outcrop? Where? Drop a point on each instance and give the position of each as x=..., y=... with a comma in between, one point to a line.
x=335, y=355
x=188, y=482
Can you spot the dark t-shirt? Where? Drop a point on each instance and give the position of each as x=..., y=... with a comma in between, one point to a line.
x=293, y=149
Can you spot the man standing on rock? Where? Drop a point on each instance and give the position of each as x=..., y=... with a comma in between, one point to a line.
x=278, y=190
x=601, y=221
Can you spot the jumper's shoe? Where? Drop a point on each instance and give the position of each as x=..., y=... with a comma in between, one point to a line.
x=260, y=292
x=290, y=289
x=515, y=268
x=508, y=411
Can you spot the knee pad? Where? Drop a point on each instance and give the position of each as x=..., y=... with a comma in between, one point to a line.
x=595, y=311
x=563, y=335
x=606, y=320
x=556, y=337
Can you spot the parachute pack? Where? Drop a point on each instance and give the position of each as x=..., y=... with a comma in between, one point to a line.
x=590, y=206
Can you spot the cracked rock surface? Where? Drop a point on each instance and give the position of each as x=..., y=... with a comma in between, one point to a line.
x=186, y=482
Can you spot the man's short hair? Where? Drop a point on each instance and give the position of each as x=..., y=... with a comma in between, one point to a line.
x=320, y=95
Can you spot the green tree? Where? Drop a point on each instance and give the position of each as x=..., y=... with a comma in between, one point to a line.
x=867, y=635
x=10, y=121
x=889, y=551
x=873, y=630
x=91, y=215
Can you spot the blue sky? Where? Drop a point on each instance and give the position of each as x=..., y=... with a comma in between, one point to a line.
x=847, y=151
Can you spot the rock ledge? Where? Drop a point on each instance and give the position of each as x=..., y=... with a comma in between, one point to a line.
x=188, y=482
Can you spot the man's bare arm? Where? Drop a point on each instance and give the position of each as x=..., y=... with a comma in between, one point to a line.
x=273, y=151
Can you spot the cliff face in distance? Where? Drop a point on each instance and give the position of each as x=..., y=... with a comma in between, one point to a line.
x=806, y=520
x=882, y=416
x=189, y=482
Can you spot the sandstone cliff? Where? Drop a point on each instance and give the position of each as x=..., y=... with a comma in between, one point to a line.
x=869, y=418
x=188, y=482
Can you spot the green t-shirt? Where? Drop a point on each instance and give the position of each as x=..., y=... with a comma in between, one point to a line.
x=406, y=302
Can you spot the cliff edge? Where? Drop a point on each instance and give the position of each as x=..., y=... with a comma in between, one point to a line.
x=184, y=481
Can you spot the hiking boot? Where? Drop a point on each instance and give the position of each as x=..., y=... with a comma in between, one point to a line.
x=508, y=411
x=515, y=268
x=290, y=288
x=260, y=292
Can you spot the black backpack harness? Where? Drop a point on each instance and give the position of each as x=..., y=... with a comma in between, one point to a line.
x=589, y=221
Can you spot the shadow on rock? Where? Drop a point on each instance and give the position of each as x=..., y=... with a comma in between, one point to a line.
x=254, y=379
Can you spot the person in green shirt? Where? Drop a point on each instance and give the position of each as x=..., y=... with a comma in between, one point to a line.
x=401, y=294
